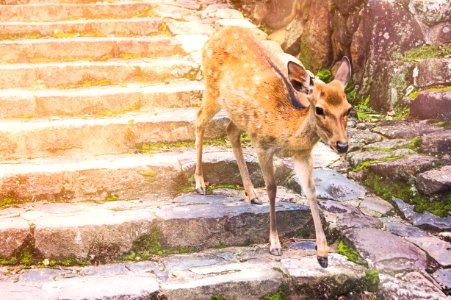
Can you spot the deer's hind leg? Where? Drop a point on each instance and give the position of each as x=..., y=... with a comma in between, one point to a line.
x=208, y=109
x=234, y=133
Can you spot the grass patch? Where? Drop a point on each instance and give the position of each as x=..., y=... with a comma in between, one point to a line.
x=136, y=106
x=363, y=110
x=152, y=148
x=218, y=297
x=363, y=166
x=325, y=75
x=371, y=280
x=24, y=36
x=439, y=205
x=426, y=51
x=351, y=253
x=279, y=295
x=213, y=187
x=111, y=197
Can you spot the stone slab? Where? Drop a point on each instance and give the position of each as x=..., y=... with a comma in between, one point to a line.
x=438, y=249
x=436, y=142
x=82, y=27
x=100, y=232
x=234, y=273
x=342, y=216
x=359, y=138
x=432, y=105
x=405, y=129
x=425, y=219
x=78, y=74
x=413, y=285
x=385, y=251
x=432, y=72
x=389, y=144
x=404, y=167
x=98, y=100
x=88, y=48
x=375, y=206
x=125, y=133
x=443, y=277
x=13, y=233
x=434, y=181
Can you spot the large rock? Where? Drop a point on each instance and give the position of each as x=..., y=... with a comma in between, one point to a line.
x=375, y=206
x=443, y=277
x=408, y=286
x=342, y=216
x=387, y=252
x=437, y=142
x=438, y=249
x=434, y=181
x=432, y=72
x=432, y=105
x=404, y=166
x=356, y=158
x=359, y=138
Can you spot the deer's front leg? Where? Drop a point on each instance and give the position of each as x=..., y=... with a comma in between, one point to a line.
x=265, y=158
x=303, y=168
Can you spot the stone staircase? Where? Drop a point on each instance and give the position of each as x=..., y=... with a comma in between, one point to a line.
x=97, y=106
x=97, y=110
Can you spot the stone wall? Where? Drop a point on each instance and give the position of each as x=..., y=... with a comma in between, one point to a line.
x=377, y=35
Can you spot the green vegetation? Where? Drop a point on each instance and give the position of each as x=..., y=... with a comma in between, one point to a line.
x=351, y=253
x=415, y=94
x=213, y=187
x=389, y=188
x=426, y=51
x=325, y=75
x=166, y=146
x=413, y=144
x=279, y=295
x=218, y=297
x=23, y=36
x=220, y=246
x=265, y=29
x=363, y=109
x=371, y=280
x=150, y=245
x=147, y=12
x=111, y=197
x=363, y=165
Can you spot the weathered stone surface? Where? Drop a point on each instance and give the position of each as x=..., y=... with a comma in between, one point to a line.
x=388, y=144
x=104, y=231
x=443, y=277
x=437, y=142
x=434, y=181
x=356, y=158
x=90, y=27
x=398, y=226
x=359, y=138
x=404, y=167
x=332, y=185
x=116, y=134
x=405, y=129
x=432, y=12
x=425, y=219
x=408, y=286
x=435, y=247
x=190, y=28
x=375, y=206
x=13, y=232
x=432, y=72
x=342, y=216
x=385, y=251
x=77, y=74
x=432, y=105
x=88, y=48
x=98, y=100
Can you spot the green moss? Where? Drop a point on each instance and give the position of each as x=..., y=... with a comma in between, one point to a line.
x=426, y=51
x=111, y=197
x=163, y=30
x=218, y=297
x=220, y=246
x=151, y=245
x=26, y=254
x=8, y=201
x=414, y=94
x=371, y=280
x=445, y=124
x=279, y=295
x=136, y=106
x=67, y=262
x=151, y=148
x=265, y=29
x=363, y=165
x=352, y=254
x=302, y=233
x=213, y=187
x=439, y=205
x=148, y=173
x=24, y=36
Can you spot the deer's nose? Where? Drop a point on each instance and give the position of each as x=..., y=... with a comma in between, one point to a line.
x=342, y=147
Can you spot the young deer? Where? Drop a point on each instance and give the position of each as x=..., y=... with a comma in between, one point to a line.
x=283, y=115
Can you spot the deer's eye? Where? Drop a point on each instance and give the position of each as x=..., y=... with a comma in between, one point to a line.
x=319, y=111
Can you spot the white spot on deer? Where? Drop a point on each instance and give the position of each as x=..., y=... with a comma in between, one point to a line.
x=267, y=97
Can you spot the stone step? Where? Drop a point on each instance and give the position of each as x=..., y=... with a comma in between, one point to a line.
x=103, y=100
x=79, y=74
x=124, y=133
x=125, y=176
x=153, y=225
x=96, y=28
x=88, y=48
x=230, y=273
x=47, y=12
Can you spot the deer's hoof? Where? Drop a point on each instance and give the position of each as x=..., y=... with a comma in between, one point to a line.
x=322, y=260
x=201, y=190
x=256, y=201
x=276, y=251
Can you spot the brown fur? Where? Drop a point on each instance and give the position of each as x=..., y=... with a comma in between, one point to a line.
x=252, y=86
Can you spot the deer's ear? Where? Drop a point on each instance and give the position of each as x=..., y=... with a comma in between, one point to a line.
x=299, y=77
x=344, y=71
